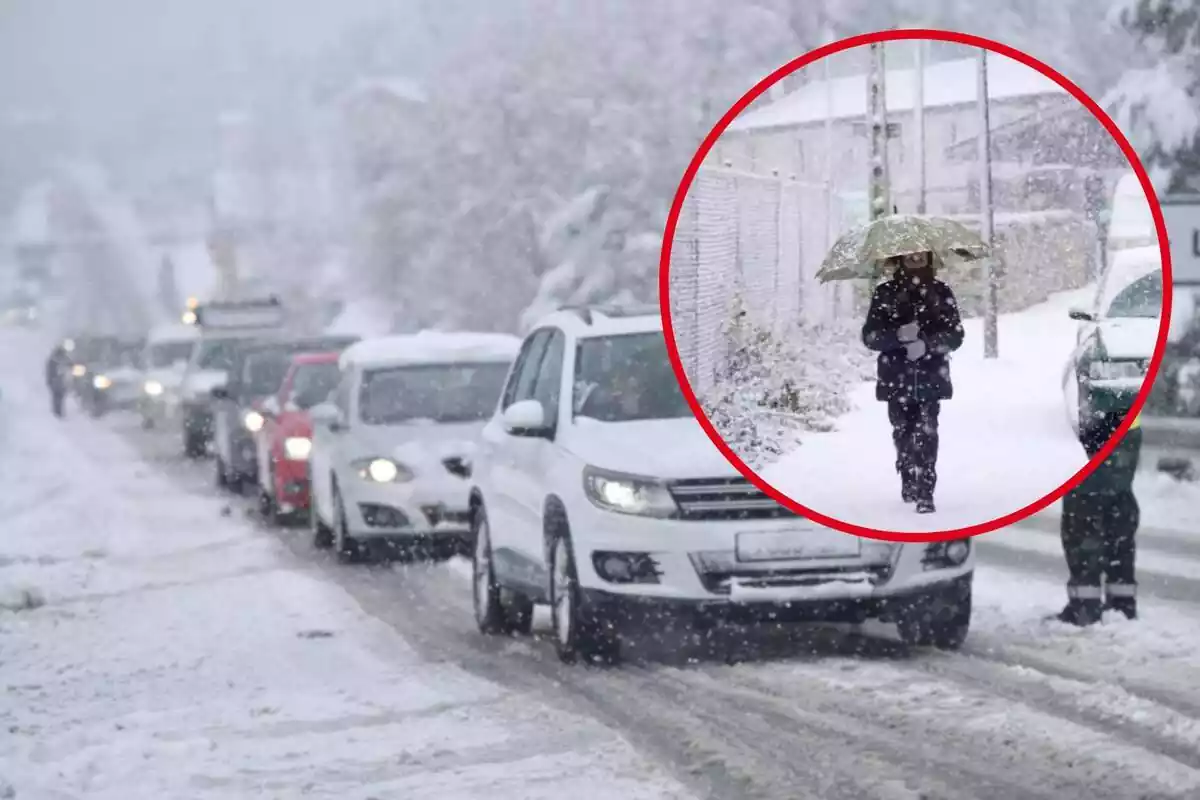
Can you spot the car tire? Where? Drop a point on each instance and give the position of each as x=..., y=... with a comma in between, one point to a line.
x=322, y=534
x=194, y=443
x=942, y=620
x=579, y=633
x=348, y=548
x=497, y=610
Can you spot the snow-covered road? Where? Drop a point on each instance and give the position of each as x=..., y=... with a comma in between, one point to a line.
x=183, y=653
x=1005, y=440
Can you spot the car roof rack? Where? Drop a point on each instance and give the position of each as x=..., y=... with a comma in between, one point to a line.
x=585, y=312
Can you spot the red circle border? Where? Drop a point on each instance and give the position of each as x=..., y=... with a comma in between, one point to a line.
x=758, y=90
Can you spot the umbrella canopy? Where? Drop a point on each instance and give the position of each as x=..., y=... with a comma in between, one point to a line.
x=858, y=253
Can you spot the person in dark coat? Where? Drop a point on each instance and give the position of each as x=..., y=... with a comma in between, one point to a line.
x=56, y=378
x=1099, y=528
x=914, y=325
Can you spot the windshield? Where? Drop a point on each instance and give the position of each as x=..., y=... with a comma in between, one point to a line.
x=263, y=374
x=218, y=354
x=165, y=354
x=314, y=383
x=625, y=378
x=442, y=393
x=1141, y=299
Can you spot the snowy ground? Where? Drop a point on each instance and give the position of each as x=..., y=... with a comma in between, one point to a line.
x=182, y=652
x=1005, y=441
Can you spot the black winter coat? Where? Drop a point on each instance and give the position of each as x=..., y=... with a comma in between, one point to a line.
x=1115, y=475
x=933, y=307
x=56, y=367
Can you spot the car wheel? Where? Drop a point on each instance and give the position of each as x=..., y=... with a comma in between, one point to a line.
x=578, y=633
x=347, y=547
x=194, y=445
x=942, y=620
x=322, y=534
x=494, y=612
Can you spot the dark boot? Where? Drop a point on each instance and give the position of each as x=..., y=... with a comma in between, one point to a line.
x=1123, y=605
x=925, y=505
x=1081, y=613
x=908, y=492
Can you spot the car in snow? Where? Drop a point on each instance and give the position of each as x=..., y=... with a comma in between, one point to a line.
x=596, y=491
x=114, y=378
x=223, y=328
x=1116, y=337
x=285, y=442
x=387, y=457
x=256, y=372
x=168, y=349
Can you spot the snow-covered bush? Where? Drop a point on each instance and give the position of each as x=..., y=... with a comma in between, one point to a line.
x=772, y=387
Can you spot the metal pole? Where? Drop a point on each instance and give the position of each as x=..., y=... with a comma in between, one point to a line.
x=880, y=204
x=830, y=229
x=991, y=333
x=919, y=121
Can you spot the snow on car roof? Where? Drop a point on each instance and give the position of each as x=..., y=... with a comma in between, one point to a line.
x=1128, y=266
x=432, y=347
x=176, y=332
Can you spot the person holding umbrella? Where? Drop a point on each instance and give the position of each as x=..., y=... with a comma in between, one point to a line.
x=914, y=325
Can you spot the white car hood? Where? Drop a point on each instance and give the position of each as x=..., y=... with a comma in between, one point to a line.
x=422, y=447
x=203, y=381
x=167, y=377
x=123, y=375
x=664, y=448
x=1128, y=338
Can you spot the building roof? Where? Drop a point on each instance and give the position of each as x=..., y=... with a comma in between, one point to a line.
x=947, y=84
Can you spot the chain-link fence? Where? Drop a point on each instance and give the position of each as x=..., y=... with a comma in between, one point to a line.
x=750, y=236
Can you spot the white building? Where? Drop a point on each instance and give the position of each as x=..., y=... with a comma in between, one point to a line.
x=790, y=137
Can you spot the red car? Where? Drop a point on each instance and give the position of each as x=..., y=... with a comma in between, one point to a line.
x=285, y=440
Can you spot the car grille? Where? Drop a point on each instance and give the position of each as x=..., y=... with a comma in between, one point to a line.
x=724, y=499
x=717, y=581
x=440, y=515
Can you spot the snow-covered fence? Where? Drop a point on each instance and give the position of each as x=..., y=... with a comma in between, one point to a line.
x=756, y=236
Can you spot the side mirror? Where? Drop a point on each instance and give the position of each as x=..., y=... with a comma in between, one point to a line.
x=1081, y=315
x=328, y=415
x=458, y=465
x=526, y=418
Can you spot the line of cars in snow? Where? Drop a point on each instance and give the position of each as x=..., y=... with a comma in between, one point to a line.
x=565, y=464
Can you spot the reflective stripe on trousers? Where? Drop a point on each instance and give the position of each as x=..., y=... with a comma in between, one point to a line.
x=1121, y=589
x=1085, y=593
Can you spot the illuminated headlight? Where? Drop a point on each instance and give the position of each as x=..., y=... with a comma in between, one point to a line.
x=101, y=382
x=383, y=470
x=1116, y=370
x=153, y=388
x=188, y=317
x=79, y=370
x=628, y=494
x=297, y=448
x=253, y=421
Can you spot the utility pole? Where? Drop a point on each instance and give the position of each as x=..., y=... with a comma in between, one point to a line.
x=991, y=326
x=919, y=120
x=831, y=224
x=879, y=194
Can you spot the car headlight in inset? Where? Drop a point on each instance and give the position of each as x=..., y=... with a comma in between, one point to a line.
x=297, y=448
x=153, y=388
x=628, y=494
x=383, y=470
x=253, y=421
x=102, y=382
x=79, y=370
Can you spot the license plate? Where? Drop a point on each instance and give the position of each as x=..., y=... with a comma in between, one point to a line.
x=796, y=545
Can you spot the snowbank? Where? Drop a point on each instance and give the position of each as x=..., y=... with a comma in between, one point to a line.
x=181, y=654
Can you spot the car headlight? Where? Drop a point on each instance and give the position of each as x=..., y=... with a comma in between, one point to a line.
x=79, y=370
x=153, y=388
x=101, y=382
x=253, y=421
x=383, y=470
x=628, y=494
x=1115, y=370
x=297, y=448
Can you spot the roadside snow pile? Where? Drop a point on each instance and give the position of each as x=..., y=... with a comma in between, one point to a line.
x=775, y=387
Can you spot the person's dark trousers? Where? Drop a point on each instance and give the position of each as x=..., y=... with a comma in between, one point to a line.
x=1085, y=546
x=56, y=402
x=915, y=435
x=1121, y=518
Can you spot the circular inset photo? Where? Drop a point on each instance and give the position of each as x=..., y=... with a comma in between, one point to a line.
x=906, y=313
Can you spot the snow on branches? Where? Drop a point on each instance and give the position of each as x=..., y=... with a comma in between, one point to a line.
x=773, y=387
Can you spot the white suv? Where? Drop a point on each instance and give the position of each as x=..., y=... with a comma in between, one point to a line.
x=596, y=491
